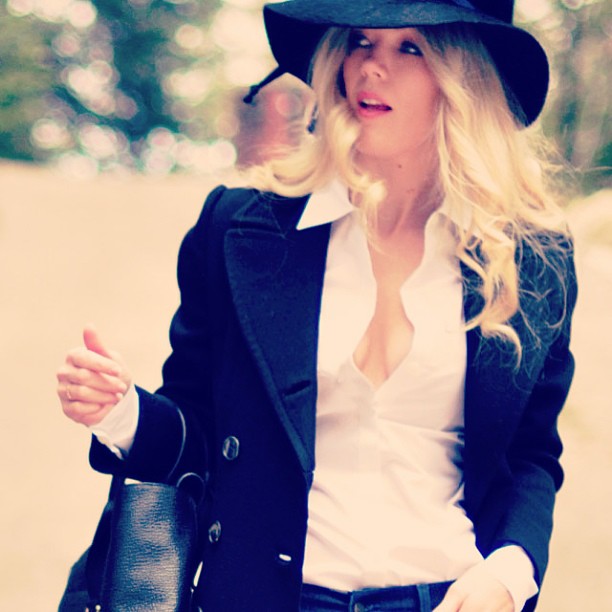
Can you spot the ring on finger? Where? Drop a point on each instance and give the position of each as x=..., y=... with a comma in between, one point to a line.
x=68, y=394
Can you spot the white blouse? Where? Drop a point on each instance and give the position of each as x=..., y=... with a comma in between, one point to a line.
x=384, y=508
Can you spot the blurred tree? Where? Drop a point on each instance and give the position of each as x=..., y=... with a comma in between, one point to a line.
x=578, y=115
x=122, y=79
x=128, y=47
x=106, y=95
x=151, y=84
x=25, y=78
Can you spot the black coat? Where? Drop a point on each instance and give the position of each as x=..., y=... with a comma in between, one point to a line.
x=243, y=367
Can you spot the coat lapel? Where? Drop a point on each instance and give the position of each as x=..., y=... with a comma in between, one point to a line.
x=276, y=278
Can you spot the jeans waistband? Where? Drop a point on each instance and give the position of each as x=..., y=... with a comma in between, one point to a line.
x=414, y=598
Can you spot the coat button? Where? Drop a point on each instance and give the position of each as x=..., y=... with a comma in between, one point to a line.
x=214, y=532
x=231, y=448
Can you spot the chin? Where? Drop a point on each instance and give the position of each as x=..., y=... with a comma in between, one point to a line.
x=376, y=150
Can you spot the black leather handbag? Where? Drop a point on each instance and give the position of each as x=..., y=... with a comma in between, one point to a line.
x=144, y=554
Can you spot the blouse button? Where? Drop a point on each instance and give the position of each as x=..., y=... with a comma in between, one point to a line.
x=231, y=448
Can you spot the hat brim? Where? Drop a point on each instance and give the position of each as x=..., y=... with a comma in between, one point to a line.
x=295, y=29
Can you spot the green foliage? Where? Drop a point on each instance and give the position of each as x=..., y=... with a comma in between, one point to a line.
x=578, y=114
x=96, y=88
x=142, y=83
x=25, y=79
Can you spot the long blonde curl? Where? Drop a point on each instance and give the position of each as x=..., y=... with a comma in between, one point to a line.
x=488, y=168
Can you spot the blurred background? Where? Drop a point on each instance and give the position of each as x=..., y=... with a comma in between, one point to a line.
x=116, y=119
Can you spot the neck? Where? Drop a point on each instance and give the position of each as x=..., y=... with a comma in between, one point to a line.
x=412, y=192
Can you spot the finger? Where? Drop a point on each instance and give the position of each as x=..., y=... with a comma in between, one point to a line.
x=85, y=413
x=447, y=606
x=90, y=360
x=490, y=599
x=477, y=591
x=94, y=343
x=81, y=393
x=450, y=603
x=89, y=378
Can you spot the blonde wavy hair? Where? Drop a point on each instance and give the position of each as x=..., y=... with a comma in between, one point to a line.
x=488, y=168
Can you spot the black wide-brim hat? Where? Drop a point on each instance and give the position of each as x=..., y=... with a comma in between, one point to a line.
x=296, y=27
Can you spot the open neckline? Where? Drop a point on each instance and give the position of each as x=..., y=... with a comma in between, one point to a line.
x=377, y=389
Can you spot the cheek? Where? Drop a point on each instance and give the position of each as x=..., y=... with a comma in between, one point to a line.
x=429, y=97
x=432, y=92
x=433, y=102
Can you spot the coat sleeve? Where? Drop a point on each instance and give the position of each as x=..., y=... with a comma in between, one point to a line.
x=170, y=436
x=533, y=455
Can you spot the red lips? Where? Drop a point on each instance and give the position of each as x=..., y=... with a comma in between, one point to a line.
x=371, y=105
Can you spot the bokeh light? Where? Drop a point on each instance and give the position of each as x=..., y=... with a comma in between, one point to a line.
x=136, y=66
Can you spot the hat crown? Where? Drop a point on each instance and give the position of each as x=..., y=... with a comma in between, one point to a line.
x=500, y=9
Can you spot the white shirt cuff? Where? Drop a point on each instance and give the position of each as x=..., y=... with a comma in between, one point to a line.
x=512, y=566
x=118, y=428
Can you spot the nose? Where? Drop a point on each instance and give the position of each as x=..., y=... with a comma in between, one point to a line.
x=374, y=65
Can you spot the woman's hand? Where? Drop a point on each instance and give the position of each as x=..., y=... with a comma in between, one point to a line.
x=477, y=591
x=92, y=381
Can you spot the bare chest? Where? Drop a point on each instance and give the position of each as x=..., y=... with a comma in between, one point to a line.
x=389, y=336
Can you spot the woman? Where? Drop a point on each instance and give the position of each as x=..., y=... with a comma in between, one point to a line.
x=402, y=285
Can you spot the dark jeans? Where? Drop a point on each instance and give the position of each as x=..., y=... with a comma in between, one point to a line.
x=419, y=598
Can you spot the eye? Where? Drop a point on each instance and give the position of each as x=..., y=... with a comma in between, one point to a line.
x=358, y=40
x=410, y=48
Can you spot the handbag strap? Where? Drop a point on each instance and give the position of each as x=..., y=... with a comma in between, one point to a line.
x=98, y=551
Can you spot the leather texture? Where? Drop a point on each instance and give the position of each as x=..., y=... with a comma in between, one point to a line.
x=151, y=557
x=144, y=554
